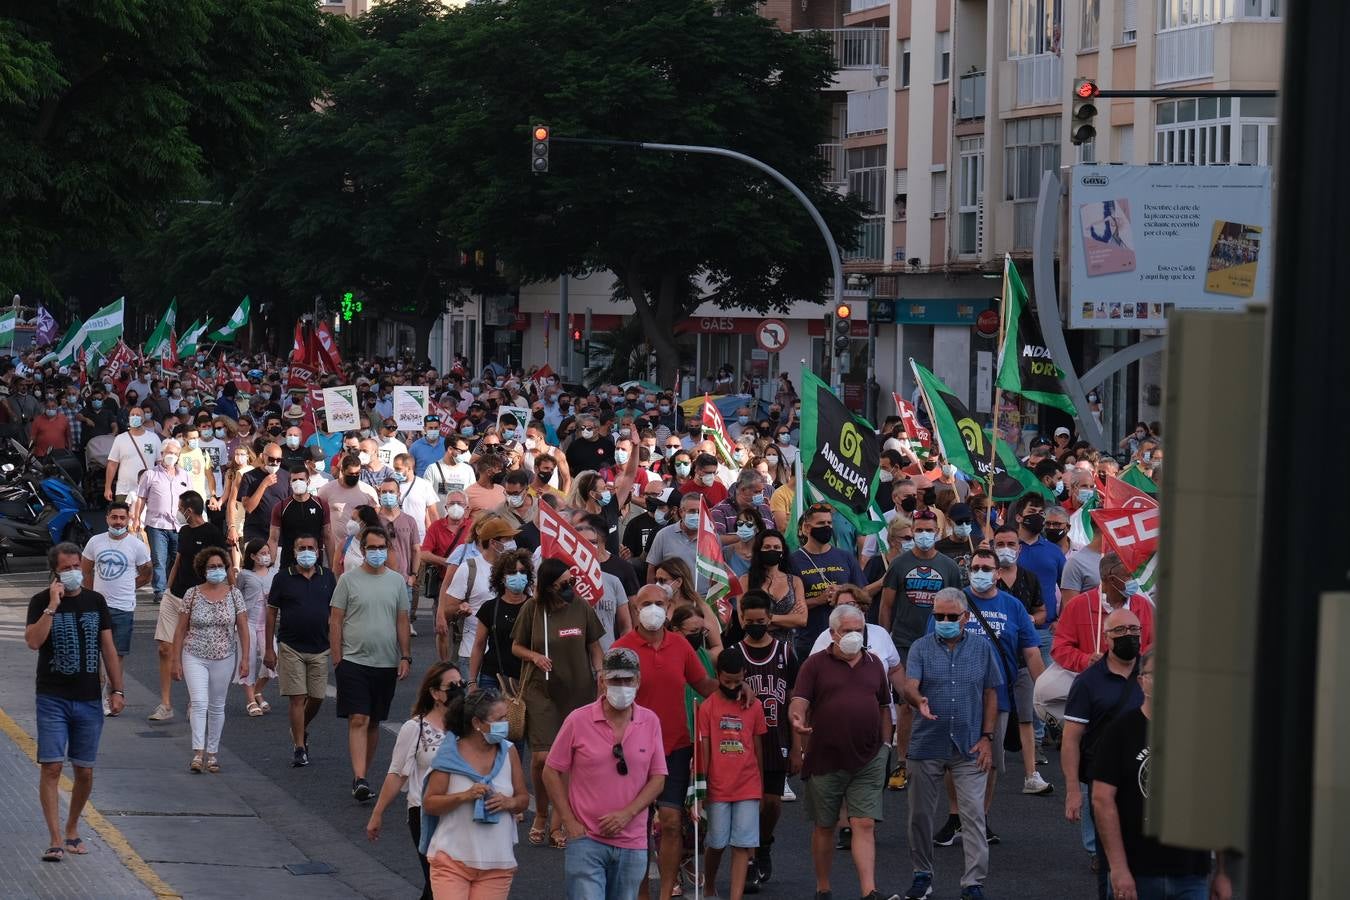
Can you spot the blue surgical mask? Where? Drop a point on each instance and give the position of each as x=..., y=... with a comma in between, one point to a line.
x=621, y=456
x=1132, y=587
x=664, y=408
x=117, y=532
x=497, y=732
x=388, y=500
x=221, y=433
x=925, y=540
x=743, y=420
x=1086, y=494
x=376, y=557
x=215, y=575
x=906, y=546
x=134, y=421
x=516, y=581
x=400, y=477
x=962, y=530
x=745, y=531
x=605, y=497
x=97, y=404
x=691, y=521
x=466, y=430
x=1059, y=486
x=981, y=581
x=947, y=630
x=307, y=558
x=682, y=470
x=759, y=499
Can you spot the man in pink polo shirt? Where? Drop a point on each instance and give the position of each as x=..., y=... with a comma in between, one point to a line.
x=605, y=768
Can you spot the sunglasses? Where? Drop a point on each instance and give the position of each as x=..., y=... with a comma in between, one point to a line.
x=947, y=617
x=981, y=568
x=621, y=764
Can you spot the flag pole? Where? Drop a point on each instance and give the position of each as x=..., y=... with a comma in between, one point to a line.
x=998, y=391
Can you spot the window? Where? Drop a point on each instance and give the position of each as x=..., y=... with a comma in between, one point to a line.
x=867, y=177
x=904, y=63
x=1211, y=131
x=939, y=193
x=1087, y=151
x=1260, y=9
x=1087, y=34
x=1123, y=142
x=901, y=194
x=1185, y=13
x=1129, y=21
x=943, y=48
x=970, y=196
x=1034, y=27
x=1030, y=148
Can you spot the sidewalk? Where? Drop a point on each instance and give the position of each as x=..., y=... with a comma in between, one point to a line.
x=194, y=836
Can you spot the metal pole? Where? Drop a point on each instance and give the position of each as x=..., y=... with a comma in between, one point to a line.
x=565, y=333
x=1184, y=92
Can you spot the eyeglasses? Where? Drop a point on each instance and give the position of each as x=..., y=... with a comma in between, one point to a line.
x=274, y=459
x=947, y=617
x=1122, y=630
x=621, y=764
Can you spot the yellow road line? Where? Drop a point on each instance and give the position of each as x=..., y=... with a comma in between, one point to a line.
x=97, y=821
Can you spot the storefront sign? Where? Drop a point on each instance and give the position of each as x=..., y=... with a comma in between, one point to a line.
x=717, y=325
x=910, y=311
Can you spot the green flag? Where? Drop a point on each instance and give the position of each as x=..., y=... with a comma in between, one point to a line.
x=841, y=454
x=103, y=329
x=964, y=439
x=157, y=345
x=1024, y=363
x=187, y=345
x=1133, y=476
x=9, y=323
x=230, y=329
x=64, y=354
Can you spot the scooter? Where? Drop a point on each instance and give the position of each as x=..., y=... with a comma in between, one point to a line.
x=40, y=506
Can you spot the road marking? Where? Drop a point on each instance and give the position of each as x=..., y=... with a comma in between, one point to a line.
x=105, y=829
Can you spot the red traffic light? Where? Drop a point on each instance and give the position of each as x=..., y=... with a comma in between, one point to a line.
x=1087, y=89
x=541, y=132
x=576, y=334
x=843, y=311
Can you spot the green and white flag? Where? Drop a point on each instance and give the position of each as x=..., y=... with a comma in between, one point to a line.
x=8, y=325
x=187, y=344
x=103, y=329
x=64, y=354
x=230, y=329
x=840, y=453
x=1025, y=366
x=158, y=344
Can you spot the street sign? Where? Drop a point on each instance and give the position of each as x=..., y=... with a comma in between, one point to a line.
x=772, y=335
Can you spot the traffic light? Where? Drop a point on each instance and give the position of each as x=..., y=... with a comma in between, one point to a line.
x=1081, y=129
x=843, y=323
x=578, y=340
x=539, y=149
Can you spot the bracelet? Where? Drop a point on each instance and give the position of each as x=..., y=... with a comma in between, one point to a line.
x=123, y=693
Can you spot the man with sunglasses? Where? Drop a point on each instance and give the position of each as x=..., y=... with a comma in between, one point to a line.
x=602, y=774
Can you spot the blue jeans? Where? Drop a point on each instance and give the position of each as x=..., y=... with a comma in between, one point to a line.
x=1172, y=887
x=596, y=871
x=163, y=549
x=1085, y=823
x=68, y=729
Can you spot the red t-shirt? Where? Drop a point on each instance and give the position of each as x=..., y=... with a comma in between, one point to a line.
x=665, y=671
x=713, y=494
x=733, y=732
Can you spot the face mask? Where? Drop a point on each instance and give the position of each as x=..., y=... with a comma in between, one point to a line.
x=708, y=479
x=364, y=457
x=925, y=540
x=1033, y=523
x=621, y=457
x=98, y=404
x=605, y=497
x=906, y=546
x=1059, y=487
x=652, y=617
x=388, y=500
x=785, y=439
x=350, y=480
x=962, y=530
x=567, y=593
x=71, y=579
x=466, y=430
x=1131, y=588
x=433, y=435
x=772, y=461
x=947, y=630
x=745, y=531
x=981, y=581
x=670, y=451
x=307, y=558
x=275, y=431
x=587, y=433
x=682, y=470
x=134, y=421
x=515, y=501
x=170, y=460
x=1006, y=556
x=299, y=487
x=376, y=557
x=730, y=693
x=1085, y=495
x=1125, y=647
x=508, y=545
x=696, y=640
x=756, y=631
x=292, y=441
x=117, y=532
x=909, y=504
x=743, y=420
x=691, y=521
x=164, y=392
x=822, y=534
x=215, y=575
x=531, y=443
x=180, y=518
x=886, y=476
x=264, y=560
x=49, y=412
x=516, y=581
x=353, y=526
x=400, y=477
x=497, y=732
x=851, y=643
x=273, y=468
x=949, y=470
x=1055, y=535
x=620, y=697
x=665, y=408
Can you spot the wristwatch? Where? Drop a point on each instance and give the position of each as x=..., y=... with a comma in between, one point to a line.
x=988, y=734
x=407, y=659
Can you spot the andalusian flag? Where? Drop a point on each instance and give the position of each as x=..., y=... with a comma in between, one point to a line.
x=103, y=329
x=1081, y=529
x=964, y=439
x=157, y=345
x=715, y=428
x=840, y=456
x=720, y=584
x=187, y=345
x=1134, y=477
x=64, y=354
x=230, y=329
x=1025, y=366
x=9, y=323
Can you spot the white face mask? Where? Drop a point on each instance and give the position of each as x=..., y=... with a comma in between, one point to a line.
x=170, y=460
x=455, y=510
x=515, y=501
x=299, y=487
x=851, y=643
x=353, y=526
x=621, y=697
x=708, y=479
x=364, y=457
x=652, y=617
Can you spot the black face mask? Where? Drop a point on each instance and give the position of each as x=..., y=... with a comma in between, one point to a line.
x=350, y=480
x=697, y=640
x=909, y=504
x=929, y=465
x=771, y=557
x=1033, y=523
x=822, y=534
x=1125, y=647
x=544, y=476
x=1055, y=535
x=756, y=631
x=275, y=430
x=729, y=693
x=567, y=594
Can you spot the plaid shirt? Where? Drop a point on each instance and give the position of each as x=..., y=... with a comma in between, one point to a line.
x=954, y=681
x=76, y=426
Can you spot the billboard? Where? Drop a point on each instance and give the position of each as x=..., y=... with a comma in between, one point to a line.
x=1145, y=239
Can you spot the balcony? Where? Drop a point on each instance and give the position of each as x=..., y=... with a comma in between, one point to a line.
x=855, y=48
x=1184, y=54
x=1039, y=80
x=867, y=111
x=833, y=155
x=970, y=96
x=871, y=237
x=860, y=5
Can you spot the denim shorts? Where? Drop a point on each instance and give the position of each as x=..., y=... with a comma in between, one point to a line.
x=733, y=823
x=68, y=729
x=123, y=622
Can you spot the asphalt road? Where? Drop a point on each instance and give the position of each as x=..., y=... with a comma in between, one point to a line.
x=1040, y=855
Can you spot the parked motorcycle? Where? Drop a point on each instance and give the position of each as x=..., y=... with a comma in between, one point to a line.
x=40, y=505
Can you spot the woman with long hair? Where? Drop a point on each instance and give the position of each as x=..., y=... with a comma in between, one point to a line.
x=557, y=637
x=242, y=462
x=209, y=644
x=475, y=789
x=414, y=750
x=255, y=581
x=511, y=583
x=770, y=572
x=749, y=523
x=673, y=573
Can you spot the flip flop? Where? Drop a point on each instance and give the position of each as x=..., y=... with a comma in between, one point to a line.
x=76, y=846
x=558, y=839
x=53, y=854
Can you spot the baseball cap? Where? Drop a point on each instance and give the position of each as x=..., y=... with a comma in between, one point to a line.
x=1062, y=430
x=959, y=512
x=496, y=528
x=621, y=661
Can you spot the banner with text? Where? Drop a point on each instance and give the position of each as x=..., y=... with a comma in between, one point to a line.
x=410, y=406
x=340, y=409
x=559, y=540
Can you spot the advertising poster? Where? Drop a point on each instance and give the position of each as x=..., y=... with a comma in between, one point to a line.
x=340, y=410
x=1147, y=239
x=410, y=406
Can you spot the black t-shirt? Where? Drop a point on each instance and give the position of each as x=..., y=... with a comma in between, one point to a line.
x=192, y=540
x=258, y=522
x=638, y=534
x=621, y=570
x=771, y=672
x=67, y=665
x=295, y=518
x=499, y=617
x=583, y=454
x=1123, y=759
x=302, y=608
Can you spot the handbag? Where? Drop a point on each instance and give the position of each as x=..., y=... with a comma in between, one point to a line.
x=1012, y=737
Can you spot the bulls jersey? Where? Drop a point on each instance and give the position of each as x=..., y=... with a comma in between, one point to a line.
x=771, y=673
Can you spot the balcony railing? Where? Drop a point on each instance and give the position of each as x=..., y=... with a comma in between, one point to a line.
x=871, y=236
x=857, y=48
x=833, y=154
x=860, y=5
x=970, y=96
x=866, y=111
x=1184, y=54
x=1039, y=80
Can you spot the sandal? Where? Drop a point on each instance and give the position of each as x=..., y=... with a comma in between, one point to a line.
x=264, y=705
x=196, y=766
x=53, y=854
x=538, y=833
x=253, y=709
x=76, y=846
x=558, y=839
x=212, y=765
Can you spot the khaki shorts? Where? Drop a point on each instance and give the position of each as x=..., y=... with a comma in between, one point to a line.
x=862, y=789
x=302, y=673
x=170, y=607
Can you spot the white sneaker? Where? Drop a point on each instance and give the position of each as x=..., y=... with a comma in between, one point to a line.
x=1035, y=784
x=162, y=713
x=788, y=796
